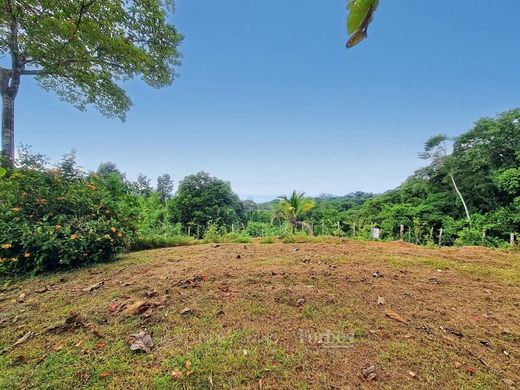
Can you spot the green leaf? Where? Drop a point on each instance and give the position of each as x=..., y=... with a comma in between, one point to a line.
x=360, y=16
x=358, y=11
x=3, y=171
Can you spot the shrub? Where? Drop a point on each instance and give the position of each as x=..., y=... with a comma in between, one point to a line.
x=154, y=242
x=267, y=240
x=50, y=220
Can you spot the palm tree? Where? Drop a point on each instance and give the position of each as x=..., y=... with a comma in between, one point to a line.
x=293, y=208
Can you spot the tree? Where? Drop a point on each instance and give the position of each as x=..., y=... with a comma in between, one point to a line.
x=108, y=168
x=293, y=208
x=164, y=187
x=81, y=50
x=202, y=200
x=142, y=186
x=436, y=150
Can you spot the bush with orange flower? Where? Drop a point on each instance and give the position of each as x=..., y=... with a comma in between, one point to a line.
x=51, y=221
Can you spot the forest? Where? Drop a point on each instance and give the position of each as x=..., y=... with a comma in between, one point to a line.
x=57, y=216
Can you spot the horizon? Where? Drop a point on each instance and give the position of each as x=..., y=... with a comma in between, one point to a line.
x=266, y=88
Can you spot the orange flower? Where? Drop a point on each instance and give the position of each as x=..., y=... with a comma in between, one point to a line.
x=120, y=234
x=41, y=201
x=74, y=237
x=26, y=254
x=113, y=229
x=16, y=209
x=6, y=246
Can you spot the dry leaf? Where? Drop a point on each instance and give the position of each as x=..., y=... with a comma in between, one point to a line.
x=141, y=341
x=24, y=338
x=176, y=375
x=93, y=287
x=187, y=364
x=369, y=373
x=101, y=345
x=395, y=316
x=380, y=300
x=138, y=307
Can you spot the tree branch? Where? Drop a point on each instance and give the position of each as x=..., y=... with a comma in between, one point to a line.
x=82, y=11
x=33, y=72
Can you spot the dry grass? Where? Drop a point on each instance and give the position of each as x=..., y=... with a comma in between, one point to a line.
x=276, y=316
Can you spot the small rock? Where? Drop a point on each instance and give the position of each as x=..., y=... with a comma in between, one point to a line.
x=380, y=300
x=300, y=302
x=186, y=312
x=21, y=298
x=377, y=274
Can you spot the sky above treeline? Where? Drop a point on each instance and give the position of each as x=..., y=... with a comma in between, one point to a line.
x=269, y=98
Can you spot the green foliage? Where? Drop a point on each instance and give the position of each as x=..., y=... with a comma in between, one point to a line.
x=216, y=234
x=50, y=220
x=360, y=15
x=166, y=241
x=202, y=200
x=82, y=50
x=485, y=163
x=293, y=208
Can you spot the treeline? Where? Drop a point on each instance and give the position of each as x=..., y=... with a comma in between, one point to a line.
x=58, y=216
x=470, y=189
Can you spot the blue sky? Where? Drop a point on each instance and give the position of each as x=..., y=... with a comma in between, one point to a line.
x=269, y=98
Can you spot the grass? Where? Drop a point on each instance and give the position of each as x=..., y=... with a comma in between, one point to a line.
x=278, y=316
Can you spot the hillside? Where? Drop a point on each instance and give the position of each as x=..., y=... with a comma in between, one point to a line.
x=279, y=316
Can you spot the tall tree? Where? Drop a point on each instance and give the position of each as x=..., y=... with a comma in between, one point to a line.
x=164, y=187
x=436, y=150
x=293, y=208
x=81, y=50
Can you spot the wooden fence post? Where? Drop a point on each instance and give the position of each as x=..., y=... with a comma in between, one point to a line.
x=440, y=236
x=189, y=231
x=512, y=239
x=401, y=233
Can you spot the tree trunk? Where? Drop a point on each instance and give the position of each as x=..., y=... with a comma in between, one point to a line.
x=460, y=196
x=7, y=130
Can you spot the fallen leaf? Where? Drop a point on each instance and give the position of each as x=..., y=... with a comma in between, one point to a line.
x=186, y=312
x=176, y=375
x=471, y=370
x=72, y=322
x=138, y=307
x=21, y=297
x=141, y=341
x=105, y=374
x=395, y=316
x=369, y=373
x=24, y=338
x=380, y=300
x=101, y=345
x=187, y=364
x=93, y=287
x=412, y=374
x=42, y=290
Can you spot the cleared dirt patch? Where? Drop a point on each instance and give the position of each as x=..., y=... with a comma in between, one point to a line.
x=279, y=316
